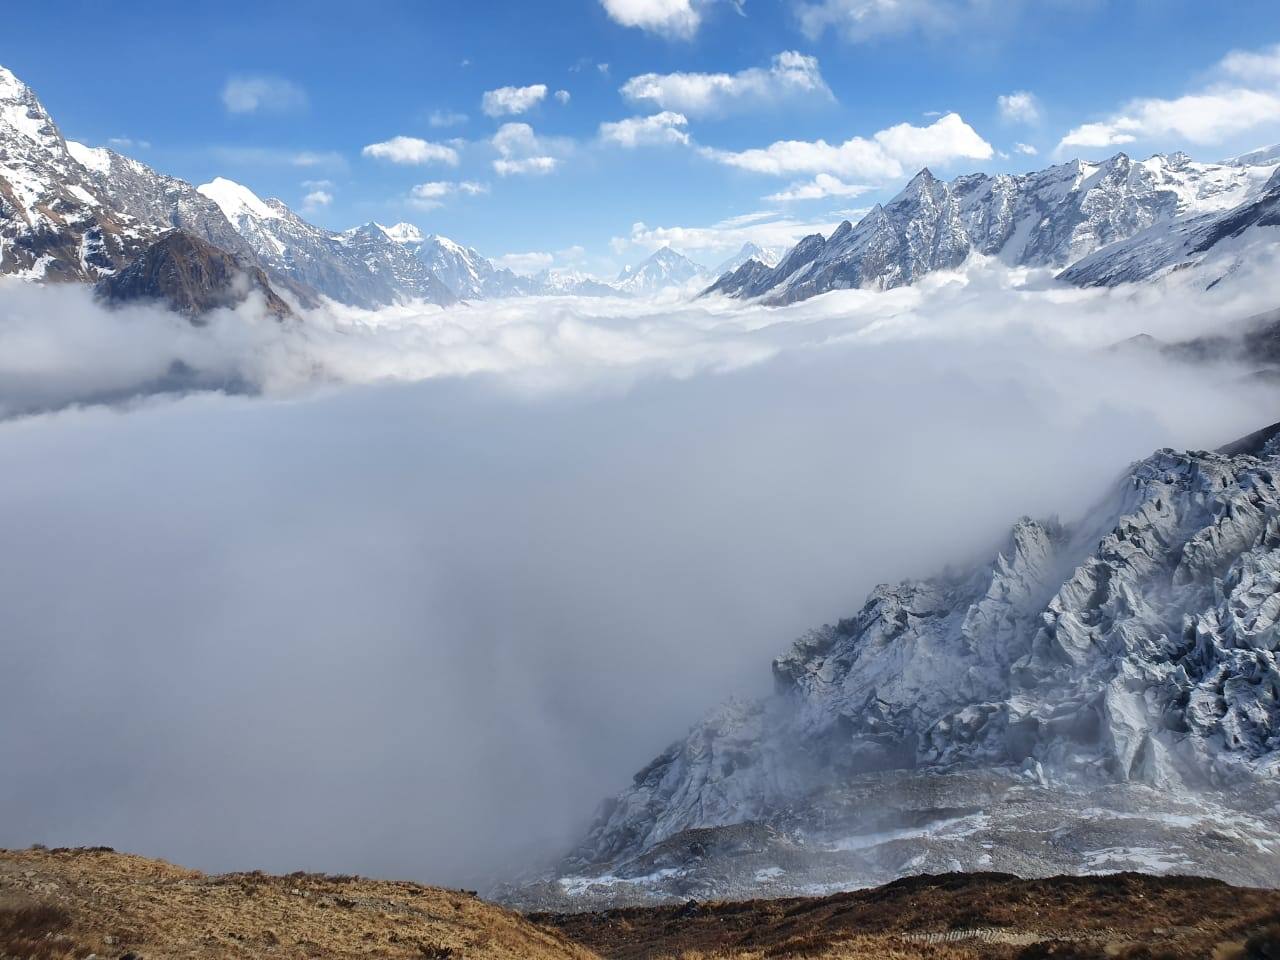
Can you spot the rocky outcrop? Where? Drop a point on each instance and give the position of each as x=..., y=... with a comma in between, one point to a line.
x=192, y=277
x=1120, y=669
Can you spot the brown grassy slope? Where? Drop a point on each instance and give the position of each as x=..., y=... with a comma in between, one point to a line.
x=74, y=903
x=962, y=916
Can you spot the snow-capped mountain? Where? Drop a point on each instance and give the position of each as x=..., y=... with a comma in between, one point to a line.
x=661, y=271
x=1211, y=241
x=56, y=223
x=1051, y=218
x=155, y=200
x=1099, y=696
x=468, y=274
x=362, y=267
x=394, y=265
x=749, y=251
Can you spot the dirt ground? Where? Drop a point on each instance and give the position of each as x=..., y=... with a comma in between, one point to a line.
x=955, y=916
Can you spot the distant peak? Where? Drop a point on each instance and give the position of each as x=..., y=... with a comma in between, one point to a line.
x=402, y=232
x=11, y=88
x=236, y=200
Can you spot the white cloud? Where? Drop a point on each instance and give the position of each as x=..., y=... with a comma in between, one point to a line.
x=262, y=93
x=661, y=128
x=1203, y=118
x=128, y=143
x=1253, y=66
x=1026, y=149
x=1021, y=106
x=821, y=186
x=412, y=151
x=507, y=101
x=791, y=75
x=673, y=18
x=525, y=262
x=1243, y=95
x=428, y=196
x=521, y=151
x=317, y=199
x=446, y=118
x=716, y=241
x=884, y=156
x=563, y=96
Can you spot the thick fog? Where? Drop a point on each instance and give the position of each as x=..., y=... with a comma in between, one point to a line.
x=428, y=584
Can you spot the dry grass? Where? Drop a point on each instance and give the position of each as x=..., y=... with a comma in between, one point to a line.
x=956, y=917
x=57, y=904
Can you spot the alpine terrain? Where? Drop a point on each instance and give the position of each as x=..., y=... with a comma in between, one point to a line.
x=1118, y=220
x=1100, y=696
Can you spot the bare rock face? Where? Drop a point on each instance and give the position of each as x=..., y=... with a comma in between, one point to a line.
x=55, y=222
x=1101, y=696
x=192, y=277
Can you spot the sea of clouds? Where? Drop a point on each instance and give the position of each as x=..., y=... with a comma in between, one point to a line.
x=407, y=592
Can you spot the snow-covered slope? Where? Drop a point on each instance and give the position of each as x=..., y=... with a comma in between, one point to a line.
x=1050, y=218
x=749, y=251
x=1211, y=242
x=55, y=221
x=663, y=270
x=155, y=200
x=1101, y=695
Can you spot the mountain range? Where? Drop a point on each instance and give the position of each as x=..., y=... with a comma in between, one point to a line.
x=1105, y=223
x=77, y=213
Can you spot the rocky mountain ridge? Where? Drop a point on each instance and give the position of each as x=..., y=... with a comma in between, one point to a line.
x=1054, y=218
x=1103, y=695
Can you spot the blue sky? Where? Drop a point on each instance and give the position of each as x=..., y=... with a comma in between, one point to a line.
x=287, y=98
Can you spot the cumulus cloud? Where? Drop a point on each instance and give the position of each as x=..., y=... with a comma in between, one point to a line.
x=673, y=18
x=288, y=617
x=1026, y=149
x=563, y=97
x=260, y=93
x=428, y=196
x=506, y=101
x=317, y=199
x=791, y=76
x=412, y=151
x=821, y=186
x=661, y=128
x=884, y=156
x=1021, y=106
x=1243, y=95
x=521, y=151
